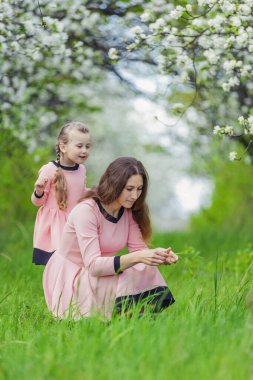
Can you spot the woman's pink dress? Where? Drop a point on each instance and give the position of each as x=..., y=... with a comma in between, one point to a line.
x=50, y=220
x=82, y=278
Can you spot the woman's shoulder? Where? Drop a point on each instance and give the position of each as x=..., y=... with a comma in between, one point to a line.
x=88, y=205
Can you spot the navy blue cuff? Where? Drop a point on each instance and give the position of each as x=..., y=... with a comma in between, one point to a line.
x=117, y=265
x=41, y=257
x=38, y=196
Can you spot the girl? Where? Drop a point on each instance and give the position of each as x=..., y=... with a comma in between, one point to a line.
x=85, y=275
x=60, y=185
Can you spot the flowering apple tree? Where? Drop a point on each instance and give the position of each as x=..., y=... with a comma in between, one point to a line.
x=206, y=46
x=52, y=54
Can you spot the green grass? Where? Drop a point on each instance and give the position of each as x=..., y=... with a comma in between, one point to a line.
x=206, y=334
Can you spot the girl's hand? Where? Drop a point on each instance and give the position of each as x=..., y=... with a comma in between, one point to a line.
x=172, y=258
x=153, y=257
x=40, y=185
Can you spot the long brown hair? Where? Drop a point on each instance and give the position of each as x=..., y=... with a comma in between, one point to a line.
x=113, y=182
x=59, y=181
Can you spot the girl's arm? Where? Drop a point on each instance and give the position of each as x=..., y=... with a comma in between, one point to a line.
x=42, y=187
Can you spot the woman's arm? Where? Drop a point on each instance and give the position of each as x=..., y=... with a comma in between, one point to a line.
x=153, y=257
x=139, y=252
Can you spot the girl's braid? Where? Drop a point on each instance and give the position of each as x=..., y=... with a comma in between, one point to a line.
x=58, y=153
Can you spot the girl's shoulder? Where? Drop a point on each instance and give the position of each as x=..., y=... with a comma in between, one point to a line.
x=82, y=168
x=48, y=168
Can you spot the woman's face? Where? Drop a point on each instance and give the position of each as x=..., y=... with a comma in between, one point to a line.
x=131, y=192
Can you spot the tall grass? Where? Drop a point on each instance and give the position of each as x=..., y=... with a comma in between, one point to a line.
x=206, y=334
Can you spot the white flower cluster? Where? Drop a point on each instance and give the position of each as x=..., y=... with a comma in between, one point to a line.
x=246, y=125
x=233, y=156
x=45, y=51
x=227, y=130
x=221, y=31
x=113, y=54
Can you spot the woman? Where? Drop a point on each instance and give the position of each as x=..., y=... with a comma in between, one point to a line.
x=84, y=276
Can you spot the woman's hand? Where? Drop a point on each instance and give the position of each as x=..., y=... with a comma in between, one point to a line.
x=40, y=185
x=172, y=258
x=153, y=257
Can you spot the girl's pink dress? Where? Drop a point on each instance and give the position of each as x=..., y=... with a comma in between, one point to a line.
x=82, y=277
x=50, y=220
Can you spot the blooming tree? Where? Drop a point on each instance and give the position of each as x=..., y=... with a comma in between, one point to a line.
x=52, y=52
x=207, y=46
x=51, y=56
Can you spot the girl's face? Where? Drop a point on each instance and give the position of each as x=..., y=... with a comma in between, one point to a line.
x=77, y=149
x=131, y=192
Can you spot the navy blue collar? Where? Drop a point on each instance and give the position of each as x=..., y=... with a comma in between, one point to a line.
x=108, y=216
x=56, y=163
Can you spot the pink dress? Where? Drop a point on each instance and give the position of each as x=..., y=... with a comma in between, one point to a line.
x=50, y=220
x=82, y=277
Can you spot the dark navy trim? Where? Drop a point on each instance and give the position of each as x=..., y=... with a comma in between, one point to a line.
x=117, y=265
x=38, y=196
x=108, y=216
x=41, y=257
x=75, y=167
x=160, y=298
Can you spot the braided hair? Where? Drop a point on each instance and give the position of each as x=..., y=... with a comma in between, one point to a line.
x=59, y=181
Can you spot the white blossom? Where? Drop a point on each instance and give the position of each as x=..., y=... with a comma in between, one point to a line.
x=146, y=16
x=229, y=65
x=155, y=26
x=177, y=13
x=246, y=70
x=228, y=7
x=216, y=130
x=241, y=119
x=250, y=130
x=242, y=38
x=113, y=53
x=228, y=130
x=250, y=121
x=232, y=156
x=217, y=22
x=136, y=30
x=198, y=22
x=212, y=56
x=244, y=9
x=236, y=21
x=202, y=3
